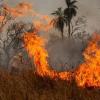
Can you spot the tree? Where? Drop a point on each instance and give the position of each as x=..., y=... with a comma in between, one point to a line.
x=16, y=31
x=70, y=12
x=59, y=20
x=5, y=18
x=79, y=26
x=11, y=37
x=12, y=44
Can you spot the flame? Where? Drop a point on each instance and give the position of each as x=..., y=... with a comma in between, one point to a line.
x=25, y=9
x=35, y=47
x=1, y=18
x=42, y=26
x=88, y=73
x=22, y=9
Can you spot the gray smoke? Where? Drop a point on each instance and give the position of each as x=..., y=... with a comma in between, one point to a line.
x=67, y=53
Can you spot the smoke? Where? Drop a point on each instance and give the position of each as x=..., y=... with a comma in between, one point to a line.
x=65, y=54
x=61, y=53
x=92, y=11
x=22, y=9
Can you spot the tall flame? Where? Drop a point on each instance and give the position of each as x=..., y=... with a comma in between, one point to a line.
x=35, y=47
x=88, y=73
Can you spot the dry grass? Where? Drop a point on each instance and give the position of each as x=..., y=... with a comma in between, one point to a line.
x=29, y=86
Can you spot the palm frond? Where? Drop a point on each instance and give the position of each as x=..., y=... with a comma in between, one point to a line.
x=58, y=12
x=73, y=2
x=67, y=2
x=74, y=6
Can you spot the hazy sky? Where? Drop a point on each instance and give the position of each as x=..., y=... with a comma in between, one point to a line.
x=88, y=8
x=67, y=52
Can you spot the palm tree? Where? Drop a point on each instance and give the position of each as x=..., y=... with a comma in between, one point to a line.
x=70, y=12
x=59, y=20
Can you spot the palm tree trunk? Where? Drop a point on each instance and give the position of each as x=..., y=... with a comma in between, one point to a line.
x=69, y=29
x=7, y=58
x=62, y=35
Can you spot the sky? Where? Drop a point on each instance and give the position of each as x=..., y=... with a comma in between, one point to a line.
x=88, y=8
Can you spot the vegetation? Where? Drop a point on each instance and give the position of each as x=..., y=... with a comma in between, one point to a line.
x=70, y=12
x=12, y=31
x=26, y=84
x=59, y=21
x=29, y=86
x=64, y=17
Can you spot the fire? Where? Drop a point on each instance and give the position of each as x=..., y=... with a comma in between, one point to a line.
x=43, y=22
x=1, y=18
x=42, y=26
x=22, y=9
x=35, y=47
x=88, y=73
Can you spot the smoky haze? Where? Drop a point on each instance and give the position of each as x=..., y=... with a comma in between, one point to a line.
x=88, y=8
x=64, y=53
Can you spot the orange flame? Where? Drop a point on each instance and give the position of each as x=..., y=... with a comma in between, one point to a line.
x=1, y=18
x=35, y=47
x=25, y=9
x=88, y=73
x=22, y=9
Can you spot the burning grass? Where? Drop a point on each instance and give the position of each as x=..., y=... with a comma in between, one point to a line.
x=86, y=75
x=47, y=84
x=30, y=86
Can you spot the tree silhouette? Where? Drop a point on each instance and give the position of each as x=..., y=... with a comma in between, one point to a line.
x=70, y=12
x=59, y=20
